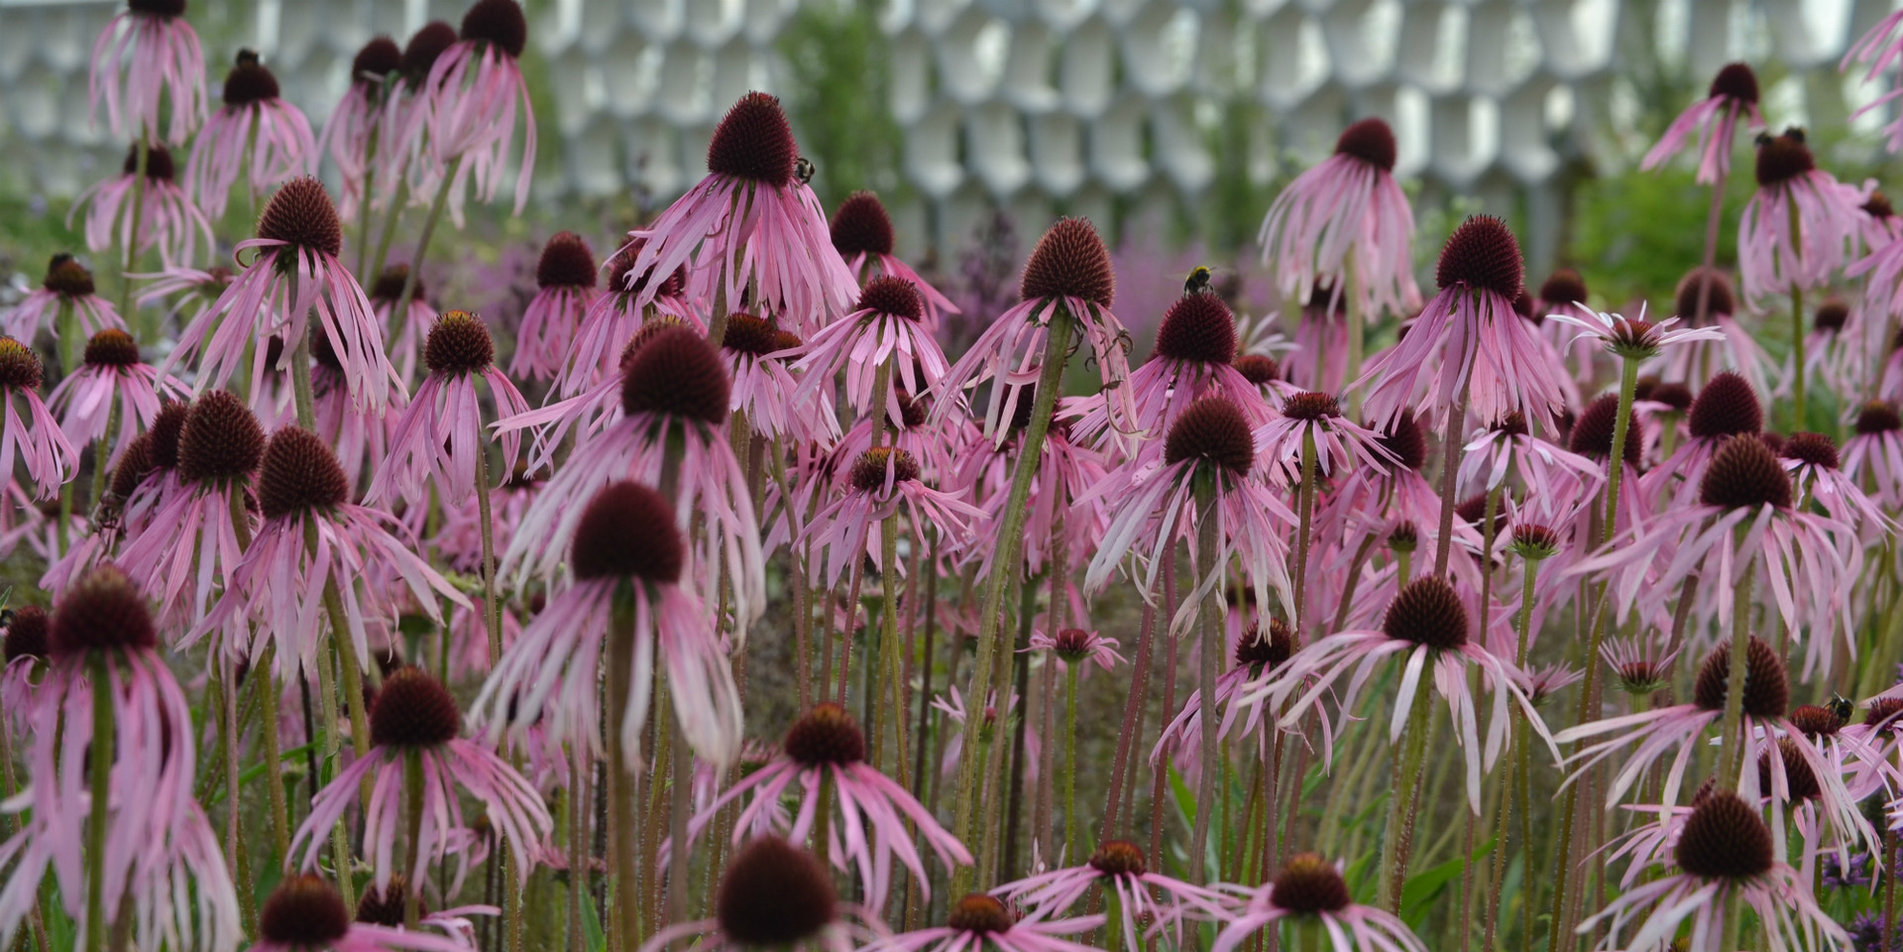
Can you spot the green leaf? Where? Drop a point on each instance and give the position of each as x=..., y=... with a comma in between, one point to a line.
x=1418, y=893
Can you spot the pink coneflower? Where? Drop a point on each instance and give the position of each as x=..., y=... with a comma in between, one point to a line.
x=1726, y=407
x=758, y=357
x=1724, y=853
x=565, y=280
x=1194, y=355
x=1151, y=900
x=980, y=922
x=862, y=234
x=982, y=725
x=674, y=399
x=306, y=914
x=1310, y=890
x=145, y=64
x=67, y=285
x=167, y=218
x=633, y=300
x=403, y=338
x=883, y=483
x=1152, y=502
x=1348, y=205
x=256, y=133
x=436, y=440
x=1428, y=624
x=871, y=811
x=1874, y=452
x=1564, y=292
x=1066, y=472
x=351, y=134
x=102, y=639
x=111, y=372
x=23, y=654
x=219, y=447
x=1258, y=652
x=1799, y=225
x=752, y=230
x=1469, y=347
x=1880, y=47
x=1080, y=647
x=772, y=895
x=414, y=717
x=469, y=107
x=885, y=330
x=1740, y=352
x=1817, y=473
x=1561, y=481
x=1320, y=358
x=1834, y=353
x=36, y=439
x=628, y=556
x=295, y=272
x=1806, y=561
x=146, y=474
x=385, y=907
x=282, y=587
x=1340, y=445
x=360, y=436
x=178, y=287
x=1713, y=120
x=1068, y=272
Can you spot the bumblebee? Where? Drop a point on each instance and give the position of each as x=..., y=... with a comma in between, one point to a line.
x=1197, y=282
x=803, y=169
x=1840, y=707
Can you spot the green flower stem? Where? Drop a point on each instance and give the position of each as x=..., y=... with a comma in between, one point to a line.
x=681, y=759
x=1589, y=693
x=1305, y=503
x=1522, y=627
x=626, y=871
x=1209, y=620
x=1797, y=352
x=491, y=602
x=1732, y=734
x=1397, y=841
x=142, y=155
x=98, y=670
x=1073, y=842
x=101, y=456
x=413, y=833
x=1005, y=564
x=1452, y=447
x=422, y=243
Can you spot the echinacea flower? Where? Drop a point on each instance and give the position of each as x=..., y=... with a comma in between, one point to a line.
x=632, y=302
x=22, y=659
x=752, y=230
x=1641, y=666
x=1194, y=355
x=385, y=907
x=772, y=895
x=1818, y=476
x=469, y=105
x=1066, y=473
x=1712, y=122
x=980, y=922
x=295, y=273
x=146, y=65
x=1740, y=352
x=281, y=584
x=155, y=836
x=403, y=333
x=1345, y=213
x=413, y=721
x=67, y=292
x=1835, y=354
x=674, y=400
x=1741, y=523
x=825, y=748
x=1427, y=625
x=306, y=914
x=256, y=134
x=1564, y=292
x=1068, y=277
x=1078, y=646
x=351, y=135
x=1309, y=892
x=862, y=234
x=1145, y=901
x=883, y=483
x=36, y=439
x=1320, y=359
x=1874, y=452
x=1469, y=347
x=1726, y=407
x=1880, y=47
x=167, y=219
x=1560, y=480
x=1340, y=445
x=438, y=438
x=627, y=558
x=885, y=331
x=759, y=357
x=219, y=447
x=111, y=382
x=1797, y=229
x=1258, y=653
x=1724, y=857
x=565, y=280
x=1154, y=502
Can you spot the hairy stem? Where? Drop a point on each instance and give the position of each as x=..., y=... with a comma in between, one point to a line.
x=1209, y=620
x=422, y=243
x=1397, y=842
x=98, y=670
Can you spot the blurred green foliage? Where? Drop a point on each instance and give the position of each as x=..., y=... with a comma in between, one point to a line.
x=838, y=95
